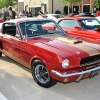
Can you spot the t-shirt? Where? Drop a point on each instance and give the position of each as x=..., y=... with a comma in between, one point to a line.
x=13, y=14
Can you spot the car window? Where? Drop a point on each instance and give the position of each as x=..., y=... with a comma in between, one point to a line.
x=9, y=28
x=36, y=28
x=68, y=23
x=89, y=23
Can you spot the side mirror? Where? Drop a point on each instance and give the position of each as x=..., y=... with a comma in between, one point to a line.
x=78, y=28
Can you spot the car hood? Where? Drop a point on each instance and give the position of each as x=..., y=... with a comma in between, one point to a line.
x=92, y=34
x=74, y=46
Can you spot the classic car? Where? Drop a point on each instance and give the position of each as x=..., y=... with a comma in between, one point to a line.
x=42, y=46
x=87, y=27
x=1, y=20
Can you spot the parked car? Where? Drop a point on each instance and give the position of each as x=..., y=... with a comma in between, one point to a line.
x=98, y=18
x=53, y=16
x=86, y=14
x=87, y=27
x=42, y=46
x=73, y=14
x=94, y=14
x=1, y=20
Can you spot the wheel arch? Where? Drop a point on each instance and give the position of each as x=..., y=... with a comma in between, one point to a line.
x=36, y=59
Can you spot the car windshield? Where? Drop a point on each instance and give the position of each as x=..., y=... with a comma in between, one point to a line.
x=37, y=28
x=68, y=23
x=89, y=23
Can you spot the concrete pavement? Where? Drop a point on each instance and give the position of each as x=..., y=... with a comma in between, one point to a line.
x=16, y=83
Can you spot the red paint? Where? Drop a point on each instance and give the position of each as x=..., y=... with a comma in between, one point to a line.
x=49, y=51
x=87, y=33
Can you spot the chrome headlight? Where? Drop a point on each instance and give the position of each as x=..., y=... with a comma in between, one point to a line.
x=65, y=63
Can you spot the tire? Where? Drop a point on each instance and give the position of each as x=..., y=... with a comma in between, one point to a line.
x=41, y=75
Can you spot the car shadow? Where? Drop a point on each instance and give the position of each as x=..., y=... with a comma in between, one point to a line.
x=7, y=59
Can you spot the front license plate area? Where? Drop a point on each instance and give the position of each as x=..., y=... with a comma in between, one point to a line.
x=94, y=73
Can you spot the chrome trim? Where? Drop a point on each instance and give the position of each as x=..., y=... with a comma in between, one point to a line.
x=72, y=74
x=89, y=63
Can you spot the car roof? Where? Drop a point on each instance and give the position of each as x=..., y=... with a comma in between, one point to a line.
x=26, y=19
x=75, y=18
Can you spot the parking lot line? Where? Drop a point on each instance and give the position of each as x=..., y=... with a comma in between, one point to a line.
x=2, y=97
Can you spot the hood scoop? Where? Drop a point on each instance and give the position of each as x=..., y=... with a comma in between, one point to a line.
x=68, y=41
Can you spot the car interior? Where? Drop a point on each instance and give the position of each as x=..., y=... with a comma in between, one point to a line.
x=9, y=29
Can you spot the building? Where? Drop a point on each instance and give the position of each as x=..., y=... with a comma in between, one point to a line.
x=20, y=6
x=53, y=5
x=83, y=6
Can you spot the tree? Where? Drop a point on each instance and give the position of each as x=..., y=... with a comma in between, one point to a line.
x=7, y=3
x=69, y=2
x=96, y=4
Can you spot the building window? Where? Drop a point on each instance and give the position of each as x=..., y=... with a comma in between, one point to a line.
x=86, y=8
x=76, y=9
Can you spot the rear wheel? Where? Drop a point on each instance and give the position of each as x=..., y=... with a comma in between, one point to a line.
x=41, y=75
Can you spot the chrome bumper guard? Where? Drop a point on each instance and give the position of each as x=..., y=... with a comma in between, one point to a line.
x=63, y=75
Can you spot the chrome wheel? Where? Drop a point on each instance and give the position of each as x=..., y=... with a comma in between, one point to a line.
x=42, y=74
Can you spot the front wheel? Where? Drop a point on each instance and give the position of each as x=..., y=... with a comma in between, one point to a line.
x=41, y=75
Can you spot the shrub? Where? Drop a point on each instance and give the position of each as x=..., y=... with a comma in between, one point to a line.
x=57, y=12
x=65, y=9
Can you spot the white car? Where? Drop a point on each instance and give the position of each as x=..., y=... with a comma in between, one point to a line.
x=98, y=17
x=53, y=16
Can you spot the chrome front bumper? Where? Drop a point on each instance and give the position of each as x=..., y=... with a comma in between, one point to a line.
x=64, y=75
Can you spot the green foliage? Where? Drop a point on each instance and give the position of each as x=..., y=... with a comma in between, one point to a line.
x=69, y=2
x=57, y=12
x=96, y=4
x=7, y=3
x=66, y=9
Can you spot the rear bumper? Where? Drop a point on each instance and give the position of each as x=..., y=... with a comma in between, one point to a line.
x=79, y=74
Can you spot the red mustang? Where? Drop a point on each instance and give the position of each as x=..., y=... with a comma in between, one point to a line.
x=42, y=46
x=88, y=27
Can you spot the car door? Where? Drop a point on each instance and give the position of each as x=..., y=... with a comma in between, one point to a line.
x=10, y=42
x=70, y=26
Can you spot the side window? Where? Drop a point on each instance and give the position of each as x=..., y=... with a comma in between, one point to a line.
x=9, y=28
x=68, y=23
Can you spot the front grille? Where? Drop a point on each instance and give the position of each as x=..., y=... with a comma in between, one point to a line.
x=90, y=60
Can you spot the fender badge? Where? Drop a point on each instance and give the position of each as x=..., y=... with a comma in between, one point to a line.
x=77, y=52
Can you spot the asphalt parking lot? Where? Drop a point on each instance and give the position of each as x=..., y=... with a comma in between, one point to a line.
x=16, y=83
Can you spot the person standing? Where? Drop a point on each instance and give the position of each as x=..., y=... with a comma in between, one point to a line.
x=12, y=13
x=40, y=14
x=22, y=14
x=29, y=14
x=6, y=15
